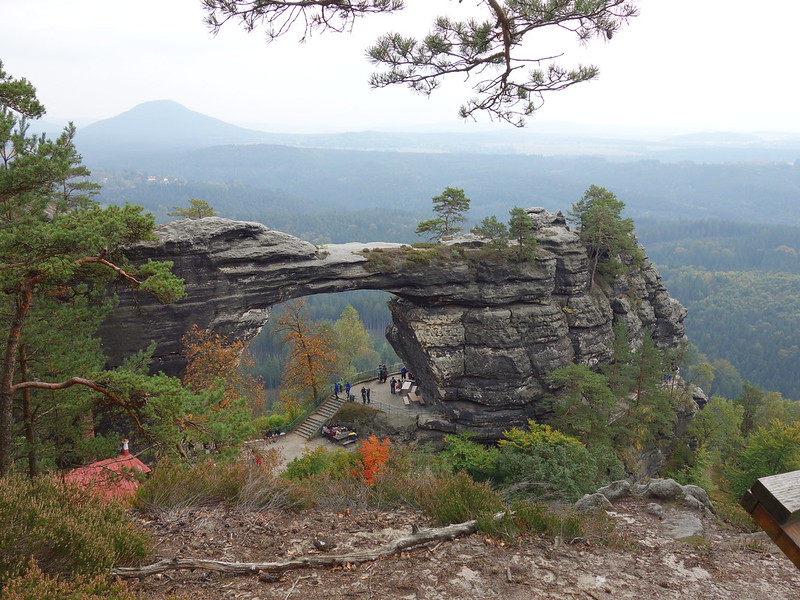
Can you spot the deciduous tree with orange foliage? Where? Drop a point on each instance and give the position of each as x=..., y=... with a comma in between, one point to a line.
x=374, y=454
x=213, y=360
x=312, y=351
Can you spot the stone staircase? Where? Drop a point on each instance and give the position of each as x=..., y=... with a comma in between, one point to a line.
x=313, y=422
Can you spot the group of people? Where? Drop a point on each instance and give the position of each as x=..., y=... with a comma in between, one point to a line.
x=339, y=433
x=365, y=395
x=395, y=385
x=340, y=387
x=270, y=435
x=383, y=373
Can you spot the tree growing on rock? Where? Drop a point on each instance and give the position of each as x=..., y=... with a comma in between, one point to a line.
x=484, y=43
x=197, y=209
x=608, y=237
x=497, y=235
x=520, y=229
x=450, y=207
x=494, y=232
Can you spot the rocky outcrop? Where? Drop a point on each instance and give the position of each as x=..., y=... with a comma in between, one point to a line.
x=677, y=524
x=480, y=334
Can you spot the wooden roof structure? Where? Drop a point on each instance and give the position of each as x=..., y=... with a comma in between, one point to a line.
x=113, y=478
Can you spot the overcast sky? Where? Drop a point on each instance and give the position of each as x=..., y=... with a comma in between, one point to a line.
x=683, y=65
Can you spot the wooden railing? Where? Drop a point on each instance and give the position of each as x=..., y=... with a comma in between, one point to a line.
x=774, y=503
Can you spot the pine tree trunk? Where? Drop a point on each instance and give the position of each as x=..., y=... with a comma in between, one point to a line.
x=23, y=304
x=27, y=415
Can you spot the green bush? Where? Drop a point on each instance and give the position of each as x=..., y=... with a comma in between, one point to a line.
x=356, y=415
x=338, y=463
x=550, y=473
x=539, y=463
x=65, y=530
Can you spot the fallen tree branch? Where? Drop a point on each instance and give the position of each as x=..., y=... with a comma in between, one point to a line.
x=422, y=537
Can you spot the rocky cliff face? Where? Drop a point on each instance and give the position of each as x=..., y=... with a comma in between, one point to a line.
x=480, y=335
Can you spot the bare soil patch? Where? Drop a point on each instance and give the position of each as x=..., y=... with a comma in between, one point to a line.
x=637, y=560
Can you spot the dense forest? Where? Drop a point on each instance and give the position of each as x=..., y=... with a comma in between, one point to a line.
x=740, y=283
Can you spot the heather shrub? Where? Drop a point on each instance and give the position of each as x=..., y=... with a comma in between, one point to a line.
x=34, y=584
x=246, y=485
x=536, y=518
x=63, y=529
x=395, y=484
x=37, y=585
x=322, y=490
x=455, y=498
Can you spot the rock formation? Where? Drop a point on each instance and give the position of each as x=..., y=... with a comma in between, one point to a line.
x=479, y=334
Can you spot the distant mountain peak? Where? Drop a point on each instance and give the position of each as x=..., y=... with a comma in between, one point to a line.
x=162, y=124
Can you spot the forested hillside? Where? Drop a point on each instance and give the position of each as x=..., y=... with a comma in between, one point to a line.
x=741, y=284
x=332, y=181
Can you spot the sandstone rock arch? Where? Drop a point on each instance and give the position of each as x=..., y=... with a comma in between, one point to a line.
x=480, y=335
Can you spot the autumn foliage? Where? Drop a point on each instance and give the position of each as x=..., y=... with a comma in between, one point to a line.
x=213, y=360
x=374, y=454
x=312, y=351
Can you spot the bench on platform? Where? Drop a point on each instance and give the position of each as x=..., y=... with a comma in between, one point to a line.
x=774, y=503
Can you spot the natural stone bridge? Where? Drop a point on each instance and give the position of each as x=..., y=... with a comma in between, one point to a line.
x=480, y=335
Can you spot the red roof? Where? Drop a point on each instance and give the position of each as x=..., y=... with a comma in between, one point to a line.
x=112, y=477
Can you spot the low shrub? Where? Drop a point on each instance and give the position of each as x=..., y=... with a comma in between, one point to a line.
x=337, y=463
x=37, y=585
x=527, y=519
x=455, y=498
x=539, y=463
x=730, y=511
x=408, y=258
x=244, y=485
x=355, y=415
x=321, y=490
x=63, y=529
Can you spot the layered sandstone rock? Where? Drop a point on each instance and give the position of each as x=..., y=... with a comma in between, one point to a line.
x=480, y=334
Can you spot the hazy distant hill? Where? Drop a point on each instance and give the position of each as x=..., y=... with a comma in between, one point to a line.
x=160, y=127
x=157, y=127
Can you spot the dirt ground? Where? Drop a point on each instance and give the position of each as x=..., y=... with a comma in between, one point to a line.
x=637, y=561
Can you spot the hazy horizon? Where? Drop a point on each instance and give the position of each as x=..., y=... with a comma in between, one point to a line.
x=680, y=67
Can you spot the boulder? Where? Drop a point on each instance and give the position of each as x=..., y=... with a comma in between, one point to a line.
x=591, y=502
x=616, y=490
